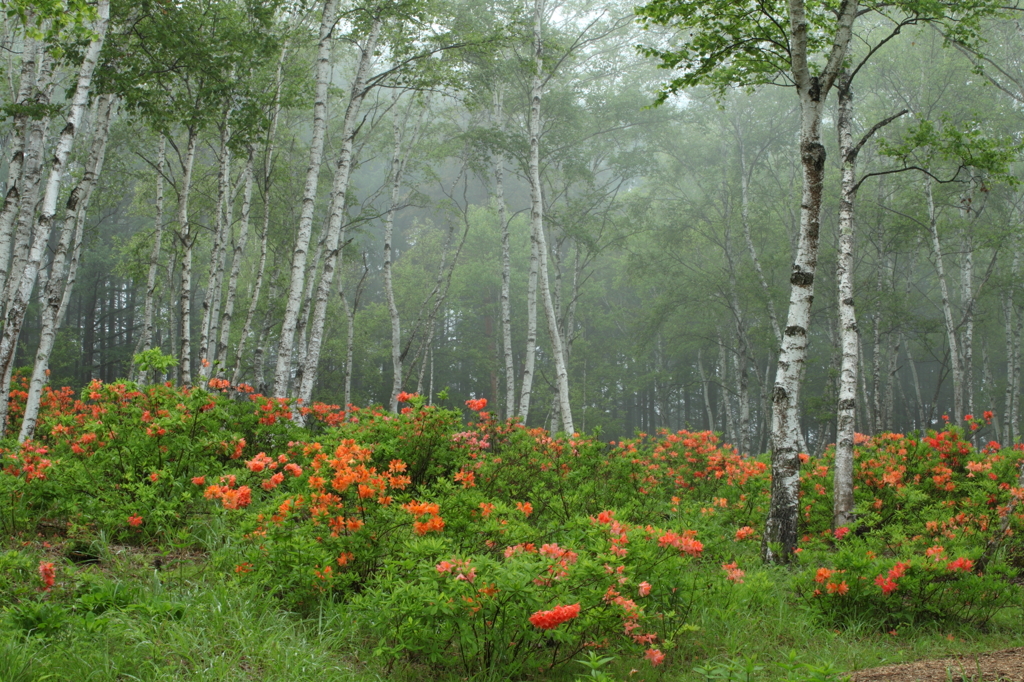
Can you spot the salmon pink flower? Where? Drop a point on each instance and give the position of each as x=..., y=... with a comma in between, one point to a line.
x=733, y=573
x=644, y=588
x=654, y=656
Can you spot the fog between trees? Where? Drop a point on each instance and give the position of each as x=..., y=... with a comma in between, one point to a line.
x=340, y=202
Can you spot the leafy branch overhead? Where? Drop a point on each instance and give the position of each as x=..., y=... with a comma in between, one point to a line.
x=927, y=143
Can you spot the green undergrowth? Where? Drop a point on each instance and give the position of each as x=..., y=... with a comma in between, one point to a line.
x=139, y=614
x=162, y=533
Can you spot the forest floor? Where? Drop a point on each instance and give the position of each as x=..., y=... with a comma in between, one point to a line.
x=1005, y=665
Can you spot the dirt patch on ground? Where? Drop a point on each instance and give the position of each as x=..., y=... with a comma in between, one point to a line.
x=1003, y=666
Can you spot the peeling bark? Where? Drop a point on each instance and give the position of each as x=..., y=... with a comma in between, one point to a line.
x=23, y=291
x=237, y=256
x=842, y=499
x=187, y=244
x=286, y=344
x=537, y=224
x=947, y=310
x=781, y=528
x=218, y=260
x=59, y=284
x=506, y=268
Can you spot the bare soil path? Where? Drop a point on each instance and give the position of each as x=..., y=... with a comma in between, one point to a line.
x=1002, y=666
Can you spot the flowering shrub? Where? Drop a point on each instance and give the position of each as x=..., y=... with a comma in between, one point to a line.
x=500, y=549
x=928, y=508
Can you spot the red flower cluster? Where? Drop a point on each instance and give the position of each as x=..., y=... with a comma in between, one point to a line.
x=685, y=543
x=421, y=509
x=549, y=620
x=47, y=574
x=888, y=583
x=231, y=498
x=960, y=564
x=477, y=405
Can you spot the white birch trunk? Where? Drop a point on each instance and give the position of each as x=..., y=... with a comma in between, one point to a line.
x=506, y=267
x=537, y=224
x=967, y=296
x=782, y=526
x=282, y=373
x=15, y=252
x=1015, y=403
x=725, y=404
x=842, y=499
x=257, y=287
x=1009, y=419
x=58, y=286
x=146, y=339
x=236, y=267
x=1008, y=425
x=16, y=311
x=258, y=356
x=336, y=223
x=305, y=312
x=20, y=129
x=187, y=243
x=389, y=290
x=350, y=316
x=529, y=363
x=947, y=310
x=705, y=389
x=220, y=241
x=876, y=356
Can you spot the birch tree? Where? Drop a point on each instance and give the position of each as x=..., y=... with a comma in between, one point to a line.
x=731, y=46
x=283, y=370
x=335, y=227
x=23, y=291
x=61, y=280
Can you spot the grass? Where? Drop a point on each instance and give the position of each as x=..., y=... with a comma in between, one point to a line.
x=175, y=628
x=187, y=621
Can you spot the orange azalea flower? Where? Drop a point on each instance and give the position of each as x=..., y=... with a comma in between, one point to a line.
x=743, y=533
x=654, y=656
x=838, y=588
x=525, y=507
x=549, y=620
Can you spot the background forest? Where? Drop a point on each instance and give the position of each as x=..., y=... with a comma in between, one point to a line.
x=333, y=202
